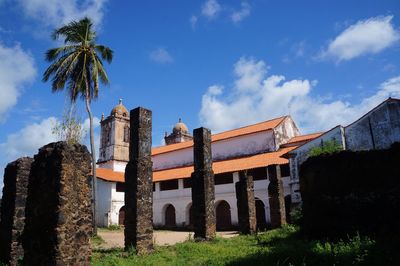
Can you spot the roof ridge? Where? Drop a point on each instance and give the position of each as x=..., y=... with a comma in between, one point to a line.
x=187, y=144
x=256, y=124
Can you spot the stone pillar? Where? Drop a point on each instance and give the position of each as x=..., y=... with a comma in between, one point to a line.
x=58, y=207
x=203, y=191
x=138, y=184
x=246, y=204
x=12, y=220
x=276, y=196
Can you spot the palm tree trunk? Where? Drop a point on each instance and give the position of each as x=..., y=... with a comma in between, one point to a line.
x=93, y=151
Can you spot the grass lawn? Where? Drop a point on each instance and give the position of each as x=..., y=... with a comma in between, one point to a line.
x=276, y=247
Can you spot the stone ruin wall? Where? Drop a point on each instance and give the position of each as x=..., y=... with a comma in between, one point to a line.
x=12, y=212
x=58, y=210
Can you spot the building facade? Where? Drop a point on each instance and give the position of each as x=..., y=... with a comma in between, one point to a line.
x=252, y=148
x=377, y=129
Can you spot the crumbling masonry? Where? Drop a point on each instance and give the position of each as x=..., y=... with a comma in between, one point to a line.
x=12, y=223
x=139, y=186
x=246, y=203
x=276, y=196
x=203, y=191
x=58, y=207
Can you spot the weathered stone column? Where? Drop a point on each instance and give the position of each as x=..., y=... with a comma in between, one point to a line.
x=58, y=207
x=12, y=219
x=276, y=196
x=139, y=184
x=246, y=204
x=203, y=192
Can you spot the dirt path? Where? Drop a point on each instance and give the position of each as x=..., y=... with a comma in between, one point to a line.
x=115, y=238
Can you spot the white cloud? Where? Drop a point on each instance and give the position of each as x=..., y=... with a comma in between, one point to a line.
x=193, y=21
x=17, y=68
x=29, y=139
x=55, y=13
x=161, y=56
x=368, y=36
x=297, y=50
x=244, y=12
x=210, y=9
x=264, y=97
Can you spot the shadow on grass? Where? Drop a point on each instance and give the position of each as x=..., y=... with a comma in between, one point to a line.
x=290, y=248
x=109, y=251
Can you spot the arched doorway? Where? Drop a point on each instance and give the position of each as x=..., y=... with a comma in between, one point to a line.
x=121, y=216
x=223, y=215
x=189, y=215
x=288, y=206
x=260, y=214
x=170, y=217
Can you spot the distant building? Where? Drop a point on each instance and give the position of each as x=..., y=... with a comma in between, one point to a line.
x=252, y=148
x=377, y=129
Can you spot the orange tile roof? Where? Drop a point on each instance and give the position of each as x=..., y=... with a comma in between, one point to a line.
x=263, y=126
x=231, y=165
x=304, y=137
x=110, y=175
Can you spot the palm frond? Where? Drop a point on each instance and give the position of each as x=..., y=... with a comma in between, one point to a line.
x=105, y=52
x=77, y=66
x=53, y=53
x=76, y=31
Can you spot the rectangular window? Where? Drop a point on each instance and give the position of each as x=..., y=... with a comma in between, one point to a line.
x=169, y=185
x=154, y=186
x=187, y=183
x=225, y=178
x=258, y=173
x=120, y=187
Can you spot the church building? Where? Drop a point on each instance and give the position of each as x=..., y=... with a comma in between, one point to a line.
x=252, y=148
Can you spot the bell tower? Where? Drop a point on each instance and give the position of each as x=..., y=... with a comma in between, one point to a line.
x=114, y=137
x=180, y=133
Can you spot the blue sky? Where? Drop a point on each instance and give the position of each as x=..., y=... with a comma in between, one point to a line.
x=214, y=63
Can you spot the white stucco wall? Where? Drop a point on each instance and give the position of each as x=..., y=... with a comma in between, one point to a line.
x=378, y=129
x=286, y=130
x=103, y=202
x=300, y=155
x=181, y=199
x=233, y=147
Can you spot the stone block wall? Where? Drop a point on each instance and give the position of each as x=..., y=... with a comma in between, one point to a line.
x=58, y=210
x=12, y=220
x=203, y=189
x=139, y=184
x=349, y=193
x=246, y=204
x=276, y=196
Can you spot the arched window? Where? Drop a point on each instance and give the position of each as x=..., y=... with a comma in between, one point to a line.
x=126, y=134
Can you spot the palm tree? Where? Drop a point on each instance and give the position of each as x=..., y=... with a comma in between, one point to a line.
x=78, y=66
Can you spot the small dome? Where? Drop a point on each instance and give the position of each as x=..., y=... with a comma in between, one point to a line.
x=120, y=110
x=180, y=127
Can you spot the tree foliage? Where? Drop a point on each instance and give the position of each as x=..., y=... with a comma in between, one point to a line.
x=70, y=127
x=327, y=147
x=78, y=66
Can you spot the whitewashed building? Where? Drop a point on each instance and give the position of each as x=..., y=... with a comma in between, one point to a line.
x=252, y=148
x=377, y=129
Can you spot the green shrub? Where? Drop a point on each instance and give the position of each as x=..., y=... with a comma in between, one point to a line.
x=296, y=215
x=114, y=227
x=327, y=147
